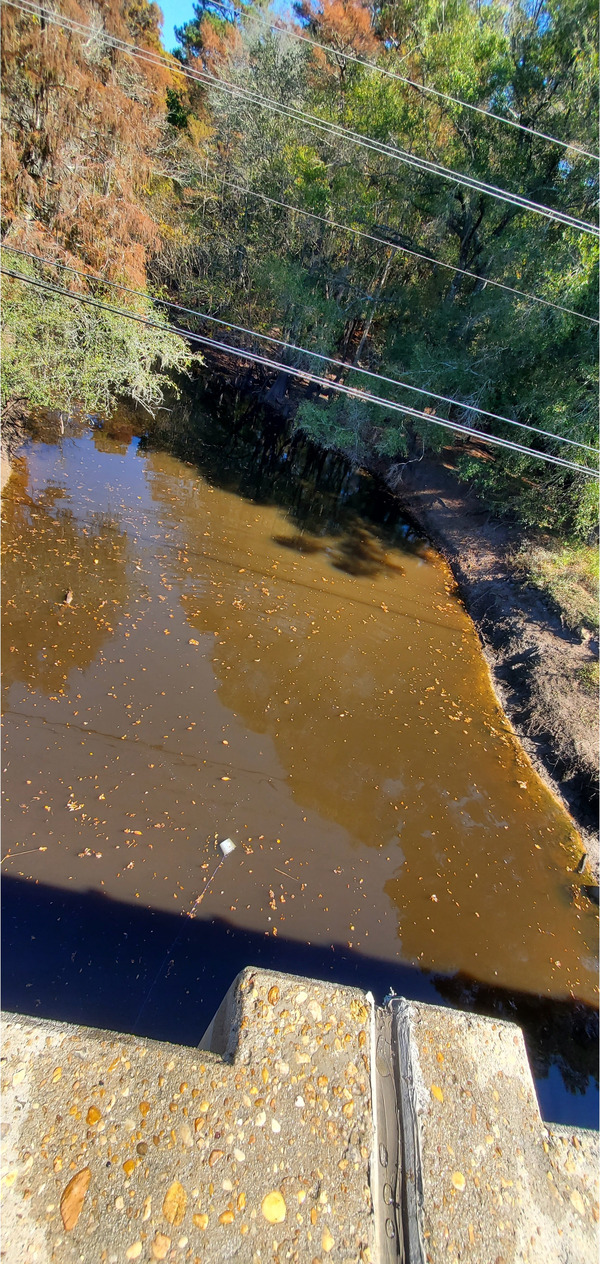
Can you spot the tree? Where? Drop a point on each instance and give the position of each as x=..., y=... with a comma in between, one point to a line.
x=83, y=127
x=265, y=267
x=60, y=353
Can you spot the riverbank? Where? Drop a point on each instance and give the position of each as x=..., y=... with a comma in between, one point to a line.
x=543, y=671
x=538, y=666
x=14, y=433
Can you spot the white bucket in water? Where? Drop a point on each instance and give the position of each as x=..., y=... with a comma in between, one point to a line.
x=227, y=846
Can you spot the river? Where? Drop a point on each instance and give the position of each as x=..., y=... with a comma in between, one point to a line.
x=257, y=645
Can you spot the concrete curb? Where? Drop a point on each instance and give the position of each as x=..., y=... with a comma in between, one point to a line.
x=311, y=1127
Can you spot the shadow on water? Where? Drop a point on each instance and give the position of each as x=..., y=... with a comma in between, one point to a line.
x=359, y=552
x=246, y=449
x=85, y=958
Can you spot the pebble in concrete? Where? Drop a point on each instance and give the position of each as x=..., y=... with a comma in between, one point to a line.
x=119, y=1149
x=499, y=1185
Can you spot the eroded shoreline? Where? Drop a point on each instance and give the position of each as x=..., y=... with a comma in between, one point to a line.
x=533, y=659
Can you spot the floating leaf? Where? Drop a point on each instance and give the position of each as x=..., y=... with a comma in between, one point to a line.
x=72, y=1198
x=175, y=1203
x=93, y=1115
x=458, y=1180
x=437, y=1092
x=577, y=1201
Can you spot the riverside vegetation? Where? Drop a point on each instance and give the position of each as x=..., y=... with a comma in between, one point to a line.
x=126, y=169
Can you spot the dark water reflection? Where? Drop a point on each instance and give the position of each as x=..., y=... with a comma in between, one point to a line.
x=260, y=645
x=81, y=957
x=243, y=449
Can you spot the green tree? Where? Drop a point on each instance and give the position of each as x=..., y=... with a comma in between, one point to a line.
x=371, y=304
x=59, y=353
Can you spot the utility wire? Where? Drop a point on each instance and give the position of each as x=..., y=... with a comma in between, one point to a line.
x=417, y=254
x=27, y=6
x=420, y=87
x=304, y=374
x=291, y=346
x=301, y=116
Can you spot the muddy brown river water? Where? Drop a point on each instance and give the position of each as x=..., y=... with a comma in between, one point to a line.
x=319, y=696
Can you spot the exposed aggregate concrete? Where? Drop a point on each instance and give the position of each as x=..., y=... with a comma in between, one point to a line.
x=260, y=1147
x=189, y=1157
x=500, y=1186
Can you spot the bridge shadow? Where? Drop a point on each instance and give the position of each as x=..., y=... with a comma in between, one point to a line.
x=82, y=957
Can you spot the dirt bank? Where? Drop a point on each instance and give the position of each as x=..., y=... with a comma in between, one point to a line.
x=14, y=431
x=535, y=662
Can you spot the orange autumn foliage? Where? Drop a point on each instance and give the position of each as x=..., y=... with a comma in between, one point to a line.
x=220, y=47
x=344, y=25
x=82, y=127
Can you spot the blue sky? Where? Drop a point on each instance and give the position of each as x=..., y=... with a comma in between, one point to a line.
x=175, y=12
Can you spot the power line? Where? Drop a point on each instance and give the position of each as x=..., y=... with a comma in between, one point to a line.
x=28, y=7
x=291, y=346
x=400, y=155
x=305, y=375
x=314, y=121
x=420, y=87
x=417, y=254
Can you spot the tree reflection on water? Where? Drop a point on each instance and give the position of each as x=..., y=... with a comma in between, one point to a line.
x=48, y=553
